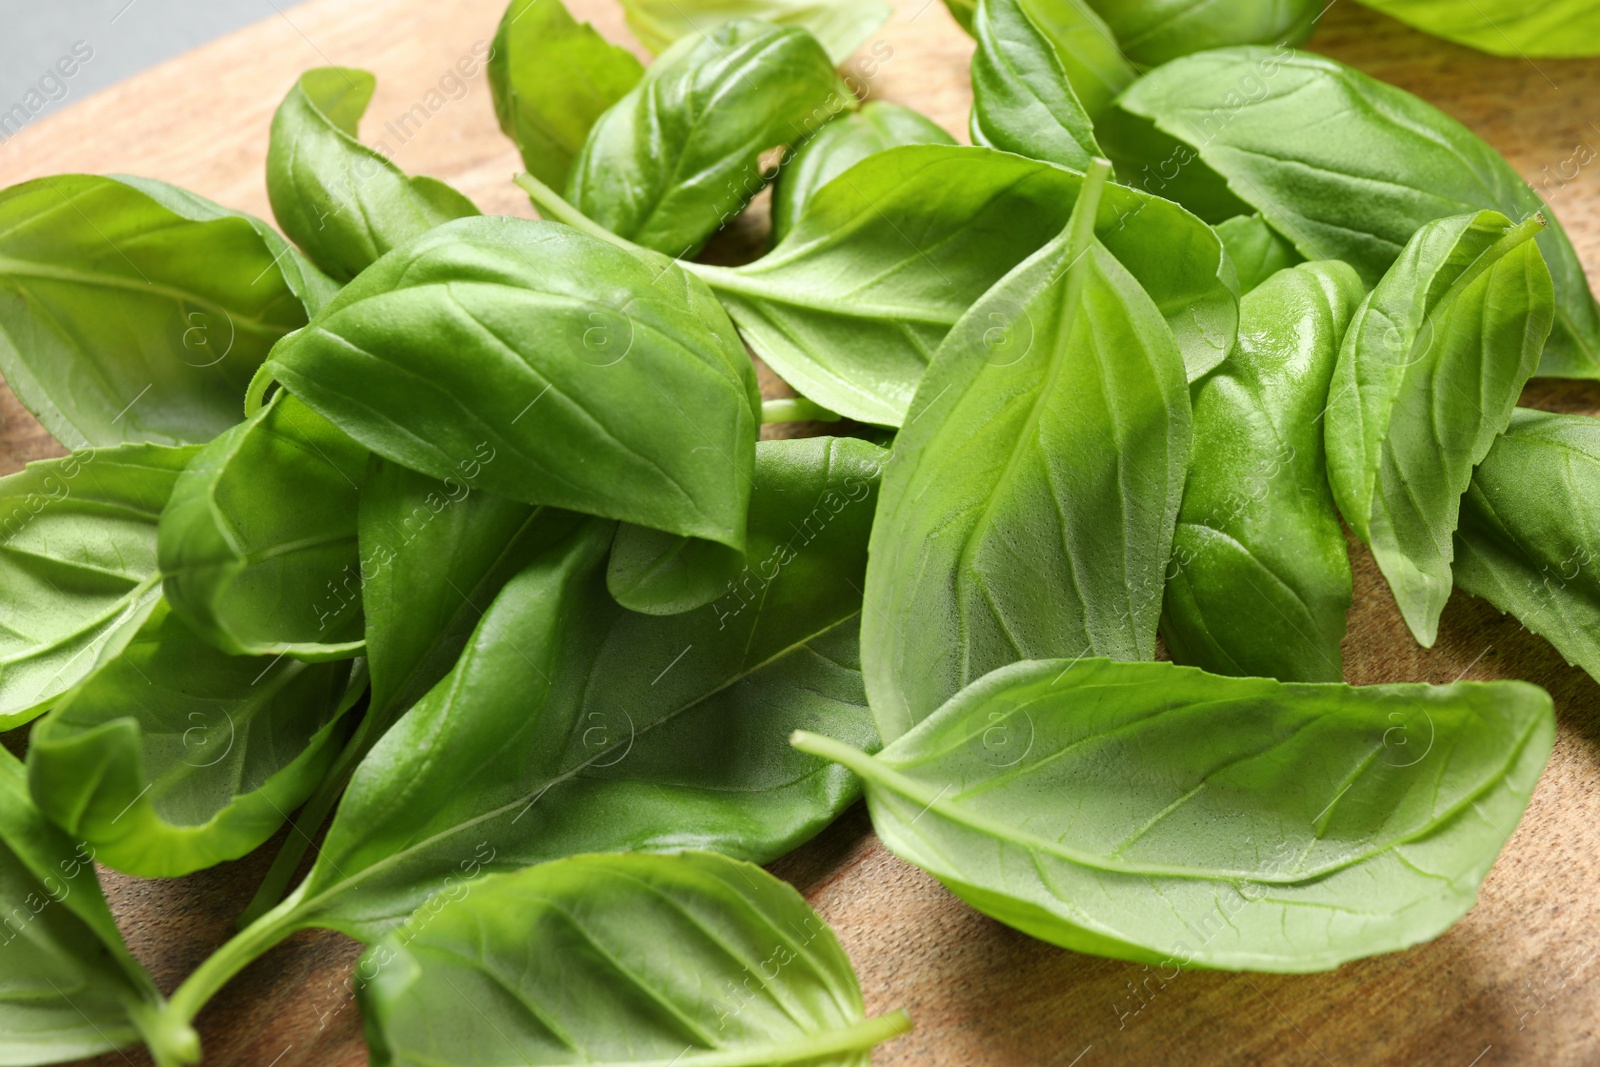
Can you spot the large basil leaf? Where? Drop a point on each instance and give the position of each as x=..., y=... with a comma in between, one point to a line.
x=1022, y=99
x=841, y=26
x=78, y=569
x=1153, y=812
x=258, y=543
x=1152, y=32
x=173, y=756
x=125, y=317
x=342, y=202
x=1505, y=27
x=1428, y=376
x=1528, y=542
x=1349, y=168
x=680, y=155
x=840, y=145
x=1259, y=582
x=1089, y=54
x=565, y=370
x=1030, y=506
x=1257, y=250
x=850, y=307
x=659, y=947
x=552, y=77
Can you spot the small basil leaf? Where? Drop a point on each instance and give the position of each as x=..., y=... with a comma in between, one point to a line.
x=658, y=573
x=78, y=570
x=1153, y=32
x=1427, y=377
x=1527, y=542
x=1022, y=100
x=849, y=309
x=841, y=26
x=1152, y=812
x=1030, y=506
x=1505, y=27
x=124, y=317
x=1259, y=582
x=840, y=145
x=552, y=77
x=1360, y=204
x=259, y=537
x=567, y=371
x=173, y=757
x=1257, y=250
x=342, y=202
x=679, y=156
x=658, y=950
x=1094, y=64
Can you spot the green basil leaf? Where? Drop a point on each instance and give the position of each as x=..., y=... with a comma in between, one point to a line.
x=841, y=26
x=173, y=757
x=658, y=573
x=1505, y=27
x=1153, y=812
x=570, y=372
x=1022, y=99
x=552, y=77
x=1153, y=32
x=840, y=145
x=1427, y=378
x=342, y=202
x=679, y=156
x=124, y=317
x=1360, y=180
x=1259, y=582
x=78, y=570
x=849, y=308
x=260, y=535
x=642, y=960
x=1257, y=250
x=1527, y=542
x=1030, y=506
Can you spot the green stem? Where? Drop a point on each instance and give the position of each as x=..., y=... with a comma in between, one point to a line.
x=795, y=409
x=552, y=207
x=172, y=1042
x=230, y=959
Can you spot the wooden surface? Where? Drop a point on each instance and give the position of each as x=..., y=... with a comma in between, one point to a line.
x=1517, y=981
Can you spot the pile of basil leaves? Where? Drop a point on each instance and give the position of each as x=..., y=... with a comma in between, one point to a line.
x=457, y=528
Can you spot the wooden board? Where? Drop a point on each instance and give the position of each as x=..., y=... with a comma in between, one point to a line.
x=1514, y=982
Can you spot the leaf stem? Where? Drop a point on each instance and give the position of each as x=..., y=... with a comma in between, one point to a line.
x=172, y=1042
x=552, y=207
x=229, y=960
x=795, y=409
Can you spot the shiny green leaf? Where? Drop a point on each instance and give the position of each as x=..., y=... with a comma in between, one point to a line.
x=841, y=26
x=1257, y=250
x=1022, y=99
x=1512, y=28
x=1152, y=32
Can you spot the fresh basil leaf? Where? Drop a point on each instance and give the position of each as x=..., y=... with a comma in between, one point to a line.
x=1030, y=506
x=658, y=573
x=568, y=371
x=963, y=11
x=1022, y=100
x=1257, y=250
x=1259, y=582
x=658, y=949
x=1356, y=183
x=680, y=155
x=1427, y=378
x=840, y=145
x=125, y=319
x=1152, y=32
x=552, y=77
x=346, y=204
x=173, y=757
x=78, y=569
x=1505, y=27
x=1527, y=542
x=850, y=307
x=1153, y=812
x=259, y=537
x=841, y=26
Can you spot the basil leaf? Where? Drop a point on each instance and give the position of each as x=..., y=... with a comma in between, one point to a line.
x=840, y=26
x=840, y=145
x=1152, y=32
x=963, y=11
x=661, y=947
x=173, y=757
x=1022, y=100
x=124, y=318
x=1359, y=181
x=1505, y=27
x=658, y=573
x=568, y=371
x=849, y=309
x=259, y=537
x=1030, y=506
x=1152, y=812
x=1257, y=250
x=680, y=155
x=1527, y=542
x=551, y=77
x=78, y=568
x=1093, y=61
x=1428, y=376
x=1259, y=582
x=343, y=202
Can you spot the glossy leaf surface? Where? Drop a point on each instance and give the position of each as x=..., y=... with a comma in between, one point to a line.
x=841, y=26
x=1022, y=99
x=1257, y=250
x=1152, y=32
x=1505, y=27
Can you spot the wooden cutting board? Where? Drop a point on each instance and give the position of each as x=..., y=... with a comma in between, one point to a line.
x=1517, y=981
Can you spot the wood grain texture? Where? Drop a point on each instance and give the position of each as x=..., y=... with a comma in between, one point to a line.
x=1517, y=981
